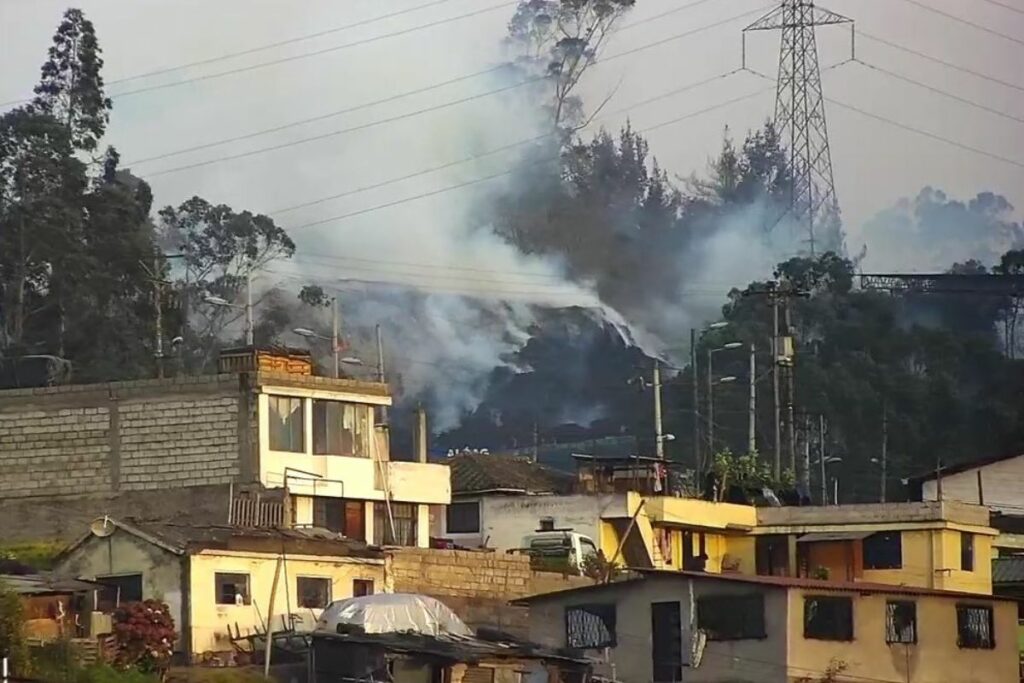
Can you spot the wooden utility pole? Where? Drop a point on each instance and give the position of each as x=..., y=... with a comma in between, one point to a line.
x=821, y=459
x=698, y=461
x=659, y=446
x=775, y=382
x=752, y=408
x=885, y=449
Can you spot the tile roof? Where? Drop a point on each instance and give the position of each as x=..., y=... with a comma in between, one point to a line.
x=479, y=473
x=777, y=582
x=1008, y=570
x=181, y=539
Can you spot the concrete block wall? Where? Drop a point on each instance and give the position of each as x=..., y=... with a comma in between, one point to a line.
x=477, y=586
x=191, y=441
x=94, y=440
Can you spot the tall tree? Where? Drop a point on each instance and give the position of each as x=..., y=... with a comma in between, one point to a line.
x=71, y=86
x=559, y=40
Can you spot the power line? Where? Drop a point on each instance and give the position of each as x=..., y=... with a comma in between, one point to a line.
x=496, y=150
x=304, y=55
x=912, y=129
x=280, y=43
x=342, y=131
x=494, y=176
x=1018, y=10
x=369, y=124
x=938, y=60
x=966, y=22
x=926, y=134
x=940, y=91
x=320, y=117
x=428, y=266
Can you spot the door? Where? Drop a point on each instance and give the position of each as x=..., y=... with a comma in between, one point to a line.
x=666, y=642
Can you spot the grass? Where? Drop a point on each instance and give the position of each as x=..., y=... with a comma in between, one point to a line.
x=39, y=555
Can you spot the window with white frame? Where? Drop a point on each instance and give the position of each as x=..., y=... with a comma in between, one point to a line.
x=341, y=428
x=286, y=424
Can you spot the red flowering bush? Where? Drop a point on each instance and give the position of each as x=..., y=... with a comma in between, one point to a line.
x=145, y=636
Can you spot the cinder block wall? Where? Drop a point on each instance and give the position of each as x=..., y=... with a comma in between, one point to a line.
x=475, y=585
x=89, y=440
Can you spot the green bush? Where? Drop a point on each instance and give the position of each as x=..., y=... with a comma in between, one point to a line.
x=12, y=631
x=39, y=555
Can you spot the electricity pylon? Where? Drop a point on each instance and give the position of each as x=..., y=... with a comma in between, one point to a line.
x=800, y=119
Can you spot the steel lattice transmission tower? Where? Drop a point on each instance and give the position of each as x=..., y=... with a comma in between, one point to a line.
x=800, y=118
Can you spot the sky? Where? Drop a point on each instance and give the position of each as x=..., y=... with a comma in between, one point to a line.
x=875, y=163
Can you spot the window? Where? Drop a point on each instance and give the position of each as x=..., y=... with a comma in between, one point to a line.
x=587, y=550
x=463, y=518
x=286, y=424
x=966, y=551
x=731, y=617
x=232, y=589
x=118, y=590
x=342, y=428
x=666, y=642
x=342, y=516
x=361, y=587
x=828, y=618
x=404, y=517
x=974, y=627
x=590, y=626
x=900, y=622
x=313, y=593
x=883, y=551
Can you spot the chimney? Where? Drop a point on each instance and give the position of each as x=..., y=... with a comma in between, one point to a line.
x=546, y=524
x=419, y=437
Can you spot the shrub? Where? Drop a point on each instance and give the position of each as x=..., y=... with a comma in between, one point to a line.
x=145, y=636
x=12, y=631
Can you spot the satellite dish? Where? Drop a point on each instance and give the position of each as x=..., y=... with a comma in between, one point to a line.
x=101, y=528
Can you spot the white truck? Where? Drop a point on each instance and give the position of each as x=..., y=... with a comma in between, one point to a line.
x=557, y=549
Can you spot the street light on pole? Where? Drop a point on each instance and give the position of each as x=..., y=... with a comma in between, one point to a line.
x=822, y=460
x=711, y=403
x=247, y=307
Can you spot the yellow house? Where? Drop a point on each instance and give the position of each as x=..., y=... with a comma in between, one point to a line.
x=941, y=545
x=217, y=580
x=664, y=627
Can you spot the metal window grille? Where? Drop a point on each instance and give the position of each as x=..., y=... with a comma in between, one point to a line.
x=900, y=622
x=974, y=627
x=590, y=626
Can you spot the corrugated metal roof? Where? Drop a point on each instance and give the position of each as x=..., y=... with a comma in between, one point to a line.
x=1008, y=570
x=42, y=584
x=783, y=582
x=822, y=536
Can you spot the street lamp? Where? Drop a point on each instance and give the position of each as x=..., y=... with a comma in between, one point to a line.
x=824, y=481
x=224, y=303
x=711, y=401
x=717, y=325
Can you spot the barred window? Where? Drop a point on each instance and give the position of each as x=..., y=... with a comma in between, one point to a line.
x=828, y=618
x=974, y=627
x=731, y=617
x=900, y=622
x=590, y=626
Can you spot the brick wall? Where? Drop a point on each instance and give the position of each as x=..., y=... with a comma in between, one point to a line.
x=89, y=440
x=475, y=585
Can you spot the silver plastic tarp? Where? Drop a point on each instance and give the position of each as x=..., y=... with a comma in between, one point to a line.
x=393, y=613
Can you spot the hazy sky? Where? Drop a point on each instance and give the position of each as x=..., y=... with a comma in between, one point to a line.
x=875, y=163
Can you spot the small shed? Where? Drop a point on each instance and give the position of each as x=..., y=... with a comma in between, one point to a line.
x=55, y=607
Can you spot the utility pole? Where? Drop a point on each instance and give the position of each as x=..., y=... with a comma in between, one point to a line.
x=158, y=346
x=659, y=446
x=535, y=456
x=698, y=461
x=791, y=399
x=885, y=447
x=776, y=366
x=800, y=118
x=821, y=459
x=711, y=412
x=381, y=376
x=806, y=464
x=752, y=418
x=249, y=331
x=334, y=337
